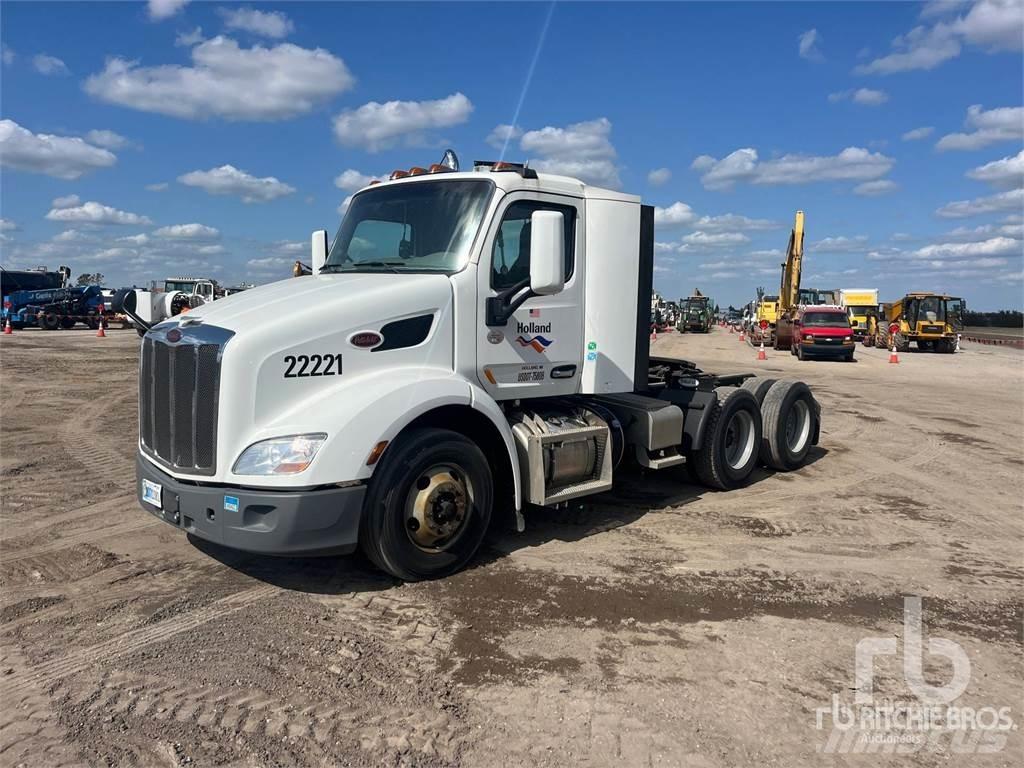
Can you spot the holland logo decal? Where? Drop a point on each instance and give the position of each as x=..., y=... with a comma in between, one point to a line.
x=539, y=343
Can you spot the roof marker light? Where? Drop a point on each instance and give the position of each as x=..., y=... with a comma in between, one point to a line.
x=417, y=171
x=398, y=175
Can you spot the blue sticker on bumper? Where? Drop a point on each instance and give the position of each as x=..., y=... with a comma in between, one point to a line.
x=231, y=503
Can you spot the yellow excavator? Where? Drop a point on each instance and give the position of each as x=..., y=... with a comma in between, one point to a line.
x=789, y=292
x=933, y=320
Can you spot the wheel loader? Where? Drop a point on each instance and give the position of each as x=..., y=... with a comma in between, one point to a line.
x=931, y=320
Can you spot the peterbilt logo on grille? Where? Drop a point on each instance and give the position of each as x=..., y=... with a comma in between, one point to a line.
x=174, y=335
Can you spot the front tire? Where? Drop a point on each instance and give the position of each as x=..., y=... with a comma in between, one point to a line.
x=730, y=450
x=49, y=321
x=428, y=505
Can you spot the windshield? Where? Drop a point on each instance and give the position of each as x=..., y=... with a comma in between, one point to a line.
x=861, y=311
x=823, y=319
x=426, y=226
x=175, y=285
x=695, y=305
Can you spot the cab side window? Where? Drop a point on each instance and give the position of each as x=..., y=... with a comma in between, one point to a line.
x=510, y=257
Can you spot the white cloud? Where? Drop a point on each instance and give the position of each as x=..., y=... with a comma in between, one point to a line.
x=188, y=232
x=106, y=139
x=139, y=239
x=735, y=222
x=158, y=187
x=866, y=96
x=990, y=24
x=677, y=214
x=1008, y=172
x=808, y=45
x=996, y=246
x=269, y=24
x=6, y=225
x=188, y=39
x=227, y=81
x=985, y=232
x=502, y=134
x=69, y=201
x=852, y=164
x=228, y=180
x=8, y=54
x=921, y=48
x=1004, y=201
x=45, y=64
x=375, y=126
x=840, y=244
x=164, y=9
x=96, y=213
x=659, y=176
x=70, y=236
x=876, y=188
x=917, y=134
x=64, y=157
x=995, y=125
x=582, y=150
x=701, y=239
x=352, y=180
x=343, y=205
x=210, y=250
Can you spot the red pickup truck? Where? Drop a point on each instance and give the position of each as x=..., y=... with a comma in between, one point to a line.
x=823, y=331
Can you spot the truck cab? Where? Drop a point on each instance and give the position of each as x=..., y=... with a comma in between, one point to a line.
x=468, y=344
x=823, y=331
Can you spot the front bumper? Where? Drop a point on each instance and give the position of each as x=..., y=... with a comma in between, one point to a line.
x=318, y=522
x=826, y=350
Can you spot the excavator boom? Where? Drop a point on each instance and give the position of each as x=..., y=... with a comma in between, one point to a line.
x=789, y=293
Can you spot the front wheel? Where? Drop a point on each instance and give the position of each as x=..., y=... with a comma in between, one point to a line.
x=49, y=321
x=428, y=505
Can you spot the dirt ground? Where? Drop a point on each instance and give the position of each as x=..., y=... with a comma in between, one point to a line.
x=661, y=624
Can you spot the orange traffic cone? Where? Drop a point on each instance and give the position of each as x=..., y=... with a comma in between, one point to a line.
x=893, y=357
x=654, y=335
x=742, y=336
x=760, y=353
x=957, y=343
x=99, y=333
x=732, y=329
x=7, y=328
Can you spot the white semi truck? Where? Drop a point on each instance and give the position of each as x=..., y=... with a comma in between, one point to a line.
x=471, y=343
x=180, y=294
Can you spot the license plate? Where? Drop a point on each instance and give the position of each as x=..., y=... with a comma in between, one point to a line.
x=152, y=493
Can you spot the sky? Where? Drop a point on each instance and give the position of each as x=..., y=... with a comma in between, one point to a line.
x=144, y=140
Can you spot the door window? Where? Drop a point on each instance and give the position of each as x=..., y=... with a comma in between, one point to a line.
x=510, y=257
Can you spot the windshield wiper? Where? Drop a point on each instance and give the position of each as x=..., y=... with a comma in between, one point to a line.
x=357, y=266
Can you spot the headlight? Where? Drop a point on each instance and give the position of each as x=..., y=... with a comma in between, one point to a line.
x=808, y=337
x=279, y=455
x=847, y=339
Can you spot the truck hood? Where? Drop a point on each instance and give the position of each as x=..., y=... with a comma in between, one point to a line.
x=337, y=301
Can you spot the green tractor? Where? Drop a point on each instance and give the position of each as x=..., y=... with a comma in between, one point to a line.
x=696, y=313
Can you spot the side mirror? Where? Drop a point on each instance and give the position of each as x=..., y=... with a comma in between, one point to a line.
x=547, y=253
x=319, y=255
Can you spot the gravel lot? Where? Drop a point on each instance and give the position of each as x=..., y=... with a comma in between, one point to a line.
x=662, y=624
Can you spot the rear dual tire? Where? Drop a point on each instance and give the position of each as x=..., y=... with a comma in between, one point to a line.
x=730, y=450
x=789, y=415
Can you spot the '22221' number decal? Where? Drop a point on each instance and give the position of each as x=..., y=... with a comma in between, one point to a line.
x=312, y=365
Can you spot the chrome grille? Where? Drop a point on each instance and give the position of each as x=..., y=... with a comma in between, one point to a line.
x=178, y=395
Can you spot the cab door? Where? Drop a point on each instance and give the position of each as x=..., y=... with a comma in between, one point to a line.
x=539, y=350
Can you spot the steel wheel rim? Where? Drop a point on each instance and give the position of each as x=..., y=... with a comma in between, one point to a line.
x=739, y=439
x=798, y=426
x=438, y=507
